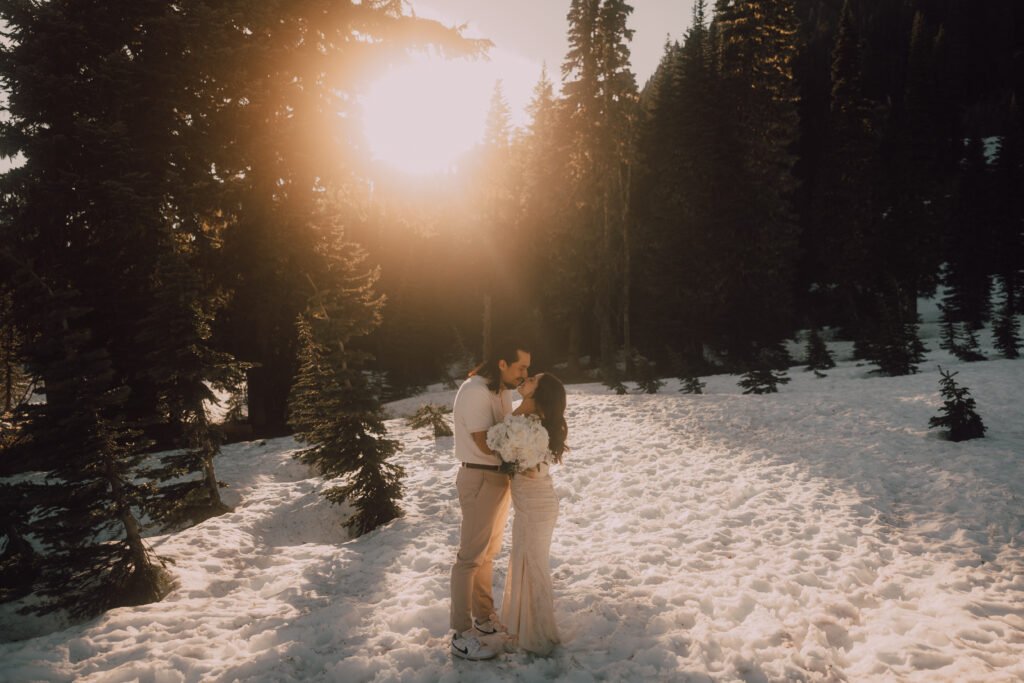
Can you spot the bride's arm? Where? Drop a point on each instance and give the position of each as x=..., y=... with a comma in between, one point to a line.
x=526, y=407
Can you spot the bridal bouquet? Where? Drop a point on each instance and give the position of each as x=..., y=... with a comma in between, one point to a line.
x=521, y=441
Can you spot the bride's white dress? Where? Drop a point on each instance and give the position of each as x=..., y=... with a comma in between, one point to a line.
x=528, y=606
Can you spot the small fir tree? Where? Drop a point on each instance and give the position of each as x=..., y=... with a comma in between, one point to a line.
x=691, y=385
x=429, y=415
x=818, y=355
x=646, y=375
x=895, y=347
x=960, y=339
x=959, y=417
x=183, y=366
x=763, y=381
x=332, y=405
x=612, y=378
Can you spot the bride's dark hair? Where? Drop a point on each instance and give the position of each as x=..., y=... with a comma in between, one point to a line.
x=550, y=399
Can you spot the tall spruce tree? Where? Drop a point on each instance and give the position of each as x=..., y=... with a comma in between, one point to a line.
x=967, y=270
x=89, y=104
x=846, y=206
x=1007, y=213
x=600, y=93
x=756, y=226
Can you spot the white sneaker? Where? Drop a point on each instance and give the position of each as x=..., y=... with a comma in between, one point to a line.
x=489, y=627
x=470, y=647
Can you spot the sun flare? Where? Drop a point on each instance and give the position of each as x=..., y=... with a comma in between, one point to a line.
x=420, y=117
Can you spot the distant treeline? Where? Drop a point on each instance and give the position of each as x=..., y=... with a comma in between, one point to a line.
x=791, y=164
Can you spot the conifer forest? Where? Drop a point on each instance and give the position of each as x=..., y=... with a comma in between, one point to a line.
x=191, y=212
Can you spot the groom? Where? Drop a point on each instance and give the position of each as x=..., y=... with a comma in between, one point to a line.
x=481, y=402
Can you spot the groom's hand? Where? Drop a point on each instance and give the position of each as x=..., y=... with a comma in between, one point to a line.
x=480, y=438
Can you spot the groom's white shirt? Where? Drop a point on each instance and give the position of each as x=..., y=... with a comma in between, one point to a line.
x=477, y=409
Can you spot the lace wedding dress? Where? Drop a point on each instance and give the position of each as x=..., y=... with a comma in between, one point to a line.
x=528, y=606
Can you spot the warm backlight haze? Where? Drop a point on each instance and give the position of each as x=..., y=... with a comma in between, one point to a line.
x=420, y=117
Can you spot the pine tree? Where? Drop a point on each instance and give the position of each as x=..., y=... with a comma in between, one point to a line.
x=332, y=406
x=612, y=378
x=181, y=364
x=1007, y=212
x=844, y=206
x=908, y=242
x=757, y=227
x=966, y=275
x=600, y=94
x=429, y=415
x=818, y=355
x=646, y=374
x=763, y=381
x=1006, y=330
x=81, y=217
x=894, y=344
x=691, y=385
x=959, y=417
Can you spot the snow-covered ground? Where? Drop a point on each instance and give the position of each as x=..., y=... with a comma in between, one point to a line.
x=822, y=533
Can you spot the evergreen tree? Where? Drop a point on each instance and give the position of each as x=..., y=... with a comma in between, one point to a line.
x=546, y=229
x=763, y=381
x=646, y=374
x=1007, y=212
x=181, y=364
x=958, y=338
x=910, y=235
x=82, y=217
x=685, y=163
x=600, y=94
x=959, y=416
x=966, y=274
x=1006, y=330
x=691, y=385
x=818, y=355
x=15, y=385
x=894, y=344
x=845, y=210
x=429, y=415
x=757, y=228
x=333, y=409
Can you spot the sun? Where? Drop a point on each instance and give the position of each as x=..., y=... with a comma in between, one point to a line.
x=421, y=116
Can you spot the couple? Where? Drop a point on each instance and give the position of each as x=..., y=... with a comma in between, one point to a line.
x=490, y=440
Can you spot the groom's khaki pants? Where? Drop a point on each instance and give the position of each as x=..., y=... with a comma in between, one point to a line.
x=484, y=498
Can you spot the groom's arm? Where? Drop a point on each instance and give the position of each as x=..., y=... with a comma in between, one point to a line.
x=480, y=438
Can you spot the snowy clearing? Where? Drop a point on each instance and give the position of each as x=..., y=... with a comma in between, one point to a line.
x=822, y=533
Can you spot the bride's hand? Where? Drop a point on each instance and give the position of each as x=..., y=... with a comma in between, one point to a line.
x=531, y=473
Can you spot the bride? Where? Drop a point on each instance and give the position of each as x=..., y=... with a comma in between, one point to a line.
x=529, y=441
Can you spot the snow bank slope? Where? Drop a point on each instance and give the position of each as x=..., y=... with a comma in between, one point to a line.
x=818, y=534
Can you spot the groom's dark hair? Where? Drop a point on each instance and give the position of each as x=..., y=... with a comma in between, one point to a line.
x=506, y=350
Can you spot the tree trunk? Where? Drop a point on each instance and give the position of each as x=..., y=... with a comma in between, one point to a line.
x=210, y=475
x=131, y=526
